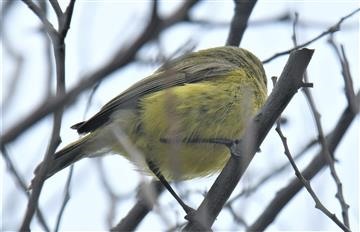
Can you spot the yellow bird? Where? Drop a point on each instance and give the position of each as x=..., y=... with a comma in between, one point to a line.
x=171, y=116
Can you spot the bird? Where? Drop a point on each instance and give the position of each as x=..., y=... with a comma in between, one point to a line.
x=172, y=117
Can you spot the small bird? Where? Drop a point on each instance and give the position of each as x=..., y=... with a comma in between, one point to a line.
x=172, y=116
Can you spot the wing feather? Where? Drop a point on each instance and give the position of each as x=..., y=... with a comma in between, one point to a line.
x=180, y=71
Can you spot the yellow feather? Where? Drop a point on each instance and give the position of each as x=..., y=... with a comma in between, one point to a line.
x=210, y=94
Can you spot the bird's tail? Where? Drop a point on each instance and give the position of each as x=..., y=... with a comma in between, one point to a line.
x=67, y=156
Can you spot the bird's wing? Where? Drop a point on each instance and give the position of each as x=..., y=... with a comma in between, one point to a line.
x=177, y=72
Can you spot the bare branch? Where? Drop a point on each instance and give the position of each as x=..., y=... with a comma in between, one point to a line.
x=41, y=15
x=56, y=7
x=57, y=38
x=65, y=200
x=112, y=195
x=235, y=216
x=22, y=184
x=239, y=21
x=139, y=210
x=285, y=17
x=19, y=66
x=330, y=30
x=66, y=19
x=38, y=181
x=269, y=176
x=329, y=157
x=283, y=196
x=121, y=58
x=349, y=89
x=306, y=183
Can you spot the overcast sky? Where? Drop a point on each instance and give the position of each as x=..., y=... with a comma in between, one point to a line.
x=98, y=29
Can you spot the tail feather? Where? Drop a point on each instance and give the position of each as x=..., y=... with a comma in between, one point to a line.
x=66, y=156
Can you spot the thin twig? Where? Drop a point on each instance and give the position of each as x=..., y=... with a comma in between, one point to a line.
x=56, y=7
x=142, y=207
x=11, y=89
x=306, y=183
x=329, y=157
x=65, y=199
x=22, y=184
x=286, y=194
x=350, y=95
x=285, y=17
x=38, y=181
x=330, y=30
x=48, y=54
x=122, y=57
x=239, y=21
x=269, y=176
x=66, y=19
x=114, y=198
x=240, y=220
x=41, y=15
x=349, y=89
x=59, y=54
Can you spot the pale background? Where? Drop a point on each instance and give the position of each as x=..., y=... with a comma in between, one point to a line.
x=98, y=29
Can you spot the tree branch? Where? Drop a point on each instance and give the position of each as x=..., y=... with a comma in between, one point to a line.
x=56, y=7
x=121, y=58
x=22, y=184
x=139, y=210
x=58, y=43
x=65, y=199
x=306, y=183
x=284, y=196
x=239, y=21
x=330, y=30
x=345, y=70
x=328, y=155
x=41, y=15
